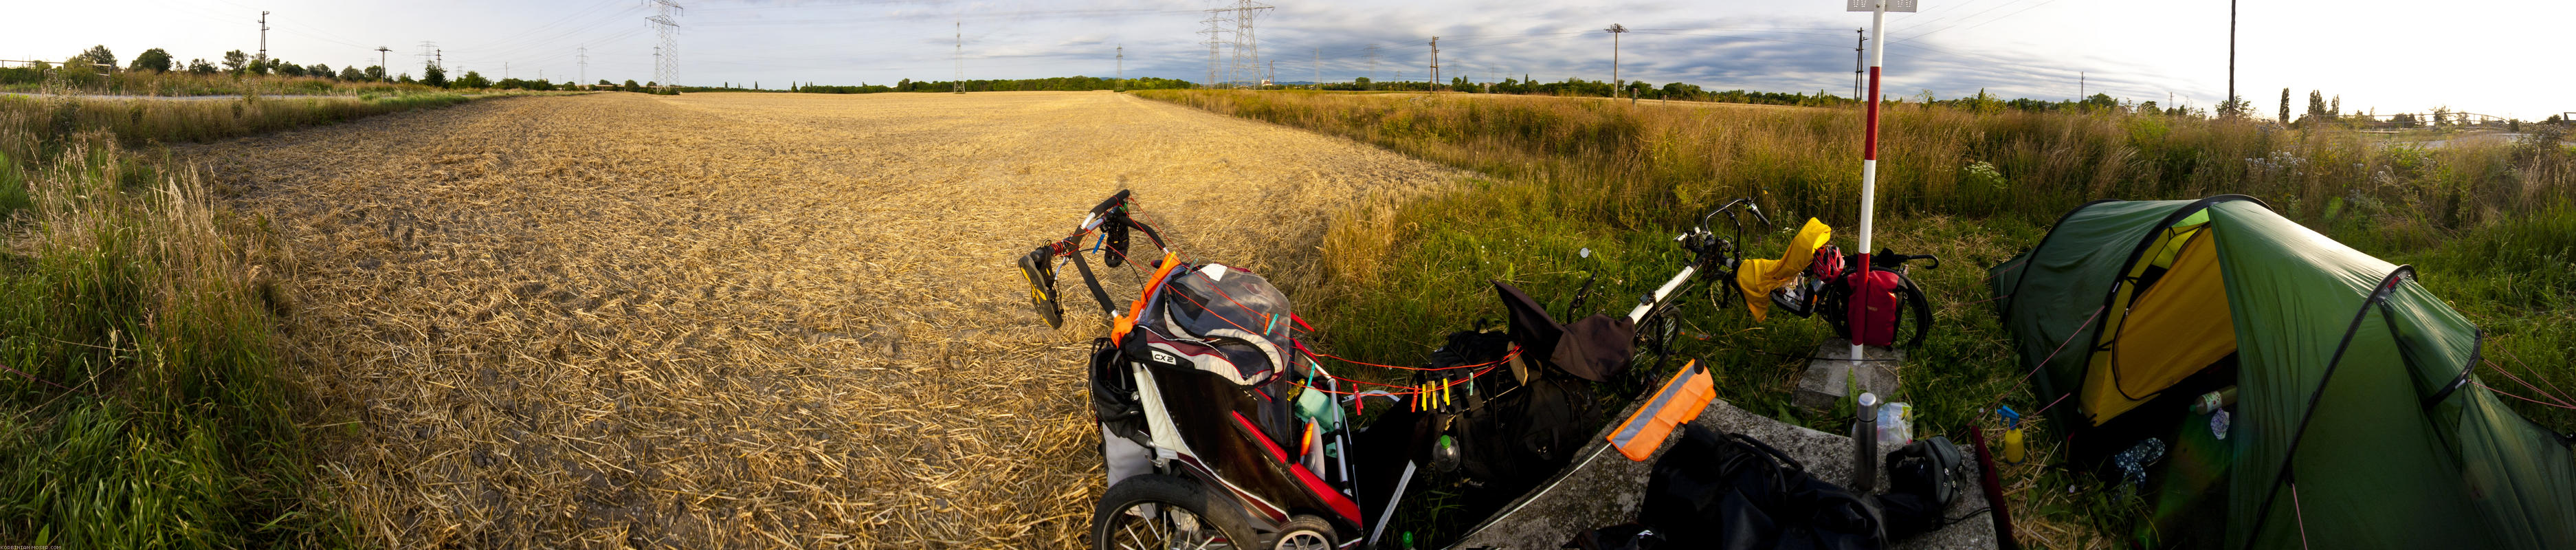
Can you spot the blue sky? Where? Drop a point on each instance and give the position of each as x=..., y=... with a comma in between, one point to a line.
x=2473, y=56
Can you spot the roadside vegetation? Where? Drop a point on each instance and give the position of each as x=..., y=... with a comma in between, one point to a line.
x=143, y=403
x=2490, y=226
x=156, y=73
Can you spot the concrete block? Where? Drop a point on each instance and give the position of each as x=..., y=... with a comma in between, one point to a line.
x=1826, y=381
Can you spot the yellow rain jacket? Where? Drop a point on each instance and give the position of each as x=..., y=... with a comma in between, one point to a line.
x=1759, y=276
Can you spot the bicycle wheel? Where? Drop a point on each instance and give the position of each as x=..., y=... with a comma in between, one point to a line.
x=1655, y=337
x=1917, y=319
x=1162, y=512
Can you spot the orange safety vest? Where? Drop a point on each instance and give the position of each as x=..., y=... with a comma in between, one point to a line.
x=1680, y=400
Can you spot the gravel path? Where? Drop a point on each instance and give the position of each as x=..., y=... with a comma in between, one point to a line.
x=723, y=320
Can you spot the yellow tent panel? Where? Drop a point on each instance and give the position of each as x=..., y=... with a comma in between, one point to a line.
x=2179, y=326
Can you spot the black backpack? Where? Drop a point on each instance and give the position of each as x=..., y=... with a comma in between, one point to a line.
x=1924, y=478
x=1733, y=492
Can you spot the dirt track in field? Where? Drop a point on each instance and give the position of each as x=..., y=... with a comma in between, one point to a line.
x=740, y=320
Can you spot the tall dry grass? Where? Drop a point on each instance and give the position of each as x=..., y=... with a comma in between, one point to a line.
x=183, y=83
x=144, y=403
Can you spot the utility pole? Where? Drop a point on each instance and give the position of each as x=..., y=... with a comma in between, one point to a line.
x=383, y=73
x=582, y=55
x=2079, y=87
x=1615, y=87
x=1319, y=69
x=1121, y=84
x=2230, y=102
x=1857, y=48
x=505, y=70
x=961, y=57
x=263, y=38
x=1274, y=74
x=666, y=31
x=1435, y=65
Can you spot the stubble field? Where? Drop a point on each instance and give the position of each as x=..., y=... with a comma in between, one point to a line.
x=740, y=320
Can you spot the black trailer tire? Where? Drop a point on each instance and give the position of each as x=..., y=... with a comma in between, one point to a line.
x=1119, y=522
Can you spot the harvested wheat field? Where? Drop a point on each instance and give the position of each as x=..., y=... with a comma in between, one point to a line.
x=740, y=320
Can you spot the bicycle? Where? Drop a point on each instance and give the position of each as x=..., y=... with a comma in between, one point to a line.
x=1823, y=285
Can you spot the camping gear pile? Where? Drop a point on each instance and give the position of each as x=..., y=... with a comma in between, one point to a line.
x=2355, y=422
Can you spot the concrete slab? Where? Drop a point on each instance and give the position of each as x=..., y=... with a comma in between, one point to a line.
x=1829, y=381
x=1603, y=488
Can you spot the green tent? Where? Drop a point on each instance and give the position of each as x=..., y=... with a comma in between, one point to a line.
x=2358, y=420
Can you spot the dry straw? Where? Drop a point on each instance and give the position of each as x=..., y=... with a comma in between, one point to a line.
x=729, y=320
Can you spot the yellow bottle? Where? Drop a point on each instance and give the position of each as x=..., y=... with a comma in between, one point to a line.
x=2012, y=435
x=2012, y=445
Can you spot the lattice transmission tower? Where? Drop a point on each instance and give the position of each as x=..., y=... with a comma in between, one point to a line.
x=1215, y=31
x=666, y=31
x=1247, y=46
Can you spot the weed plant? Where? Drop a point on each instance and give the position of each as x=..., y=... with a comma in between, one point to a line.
x=2490, y=225
x=144, y=404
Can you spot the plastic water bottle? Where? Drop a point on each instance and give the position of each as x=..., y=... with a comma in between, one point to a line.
x=1865, y=444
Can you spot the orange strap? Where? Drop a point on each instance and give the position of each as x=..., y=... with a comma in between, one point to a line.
x=1118, y=327
x=1680, y=400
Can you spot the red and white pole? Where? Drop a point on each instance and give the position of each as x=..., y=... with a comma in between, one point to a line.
x=1869, y=140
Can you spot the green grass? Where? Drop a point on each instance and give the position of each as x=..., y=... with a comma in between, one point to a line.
x=148, y=406
x=2488, y=226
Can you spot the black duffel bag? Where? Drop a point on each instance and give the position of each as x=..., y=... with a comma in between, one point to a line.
x=1733, y=492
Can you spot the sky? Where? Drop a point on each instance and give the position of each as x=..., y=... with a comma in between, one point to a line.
x=2388, y=57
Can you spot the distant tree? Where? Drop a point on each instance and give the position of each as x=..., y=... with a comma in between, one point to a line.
x=406, y=79
x=2555, y=119
x=473, y=80
x=153, y=60
x=375, y=72
x=605, y=82
x=2235, y=107
x=284, y=68
x=98, y=55
x=434, y=76
x=1363, y=82
x=353, y=74
x=235, y=61
x=2148, y=107
x=2513, y=125
x=2335, y=108
x=631, y=86
x=2100, y=101
x=2317, y=112
x=2285, y=105
x=321, y=70
x=200, y=66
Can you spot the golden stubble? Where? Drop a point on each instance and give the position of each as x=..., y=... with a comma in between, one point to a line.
x=743, y=320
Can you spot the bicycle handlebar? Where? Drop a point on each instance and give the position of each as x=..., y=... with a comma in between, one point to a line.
x=1112, y=202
